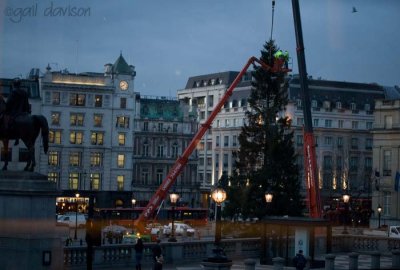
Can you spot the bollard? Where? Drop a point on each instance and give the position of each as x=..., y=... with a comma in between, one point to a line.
x=330, y=262
x=353, y=261
x=249, y=264
x=375, y=260
x=396, y=259
x=278, y=263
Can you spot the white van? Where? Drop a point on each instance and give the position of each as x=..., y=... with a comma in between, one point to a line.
x=70, y=220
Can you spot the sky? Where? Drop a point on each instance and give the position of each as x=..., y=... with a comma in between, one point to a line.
x=169, y=41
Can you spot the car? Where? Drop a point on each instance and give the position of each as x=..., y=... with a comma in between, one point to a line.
x=154, y=228
x=179, y=229
x=72, y=220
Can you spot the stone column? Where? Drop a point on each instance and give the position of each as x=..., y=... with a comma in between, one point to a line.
x=29, y=236
x=353, y=261
x=278, y=263
x=249, y=264
x=396, y=259
x=330, y=262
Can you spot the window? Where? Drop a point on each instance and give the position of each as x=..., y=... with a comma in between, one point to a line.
x=217, y=124
x=234, y=140
x=340, y=123
x=368, y=163
x=174, y=127
x=145, y=126
x=174, y=150
x=96, y=159
x=55, y=118
x=353, y=106
x=76, y=119
x=160, y=150
x=160, y=127
x=338, y=105
x=369, y=125
x=328, y=140
x=217, y=161
x=226, y=159
x=354, y=124
x=98, y=101
x=217, y=142
x=76, y=137
x=122, y=103
x=73, y=181
x=354, y=143
x=209, y=161
x=97, y=138
x=316, y=122
x=314, y=103
x=95, y=180
x=55, y=136
x=388, y=121
x=367, y=107
x=54, y=158
x=75, y=159
x=146, y=149
x=299, y=104
x=300, y=121
x=340, y=142
x=202, y=115
x=160, y=176
x=299, y=140
x=145, y=176
x=227, y=122
x=368, y=144
x=53, y=177
x=121, y=160
x=98, y=120
x=327, y=162
x=120, y=182
x=55, y=98
x=122, y=122
x=328, y=123
x=121, y=138
x=387, y=203
x=77, y=99
x=339, y=163
x=387, y=162
x=226, y=140
x=353, y=164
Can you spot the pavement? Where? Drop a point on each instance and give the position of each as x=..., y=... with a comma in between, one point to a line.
x=341, y=263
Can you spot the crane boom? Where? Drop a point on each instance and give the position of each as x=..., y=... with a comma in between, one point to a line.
x=177, y=168
x=310, y=164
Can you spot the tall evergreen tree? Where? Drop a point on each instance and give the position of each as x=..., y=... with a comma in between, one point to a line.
x=266, y=159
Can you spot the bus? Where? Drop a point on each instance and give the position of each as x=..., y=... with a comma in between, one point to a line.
x=126, y=217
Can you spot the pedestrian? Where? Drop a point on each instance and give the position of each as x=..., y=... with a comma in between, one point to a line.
x=299, y=261
x=139, y=253
x=157, y=256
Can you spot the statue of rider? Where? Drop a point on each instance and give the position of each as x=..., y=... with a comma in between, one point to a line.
x=17, y=104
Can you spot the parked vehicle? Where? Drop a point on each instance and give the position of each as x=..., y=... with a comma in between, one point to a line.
x=72, y=220
x=394, y=231
x=179, y=229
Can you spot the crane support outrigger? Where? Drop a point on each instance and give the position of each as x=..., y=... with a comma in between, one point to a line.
x=177, y=168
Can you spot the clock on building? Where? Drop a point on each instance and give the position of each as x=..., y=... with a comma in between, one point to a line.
x=123, y=85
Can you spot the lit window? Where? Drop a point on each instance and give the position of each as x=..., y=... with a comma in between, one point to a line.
x=55, y=136
x=53, y=177
x=54, y=159
x=76, y=119
x=120, y=182
x=76, y=137
x=77, y=99
x=98, y=100
x=122, y=121
x=96, y=159
x=73, y=181
x=75, y=159
x=121, y=138
x=98, y=120
x=55, y=118
x=95, y=180
x=97, y=138
x=121, y=160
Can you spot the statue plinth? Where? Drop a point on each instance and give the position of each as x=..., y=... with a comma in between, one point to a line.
x=29, y=237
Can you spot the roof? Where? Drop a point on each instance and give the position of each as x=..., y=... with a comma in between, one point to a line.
x=121, y=66
x=225, y=78
x=157, y=108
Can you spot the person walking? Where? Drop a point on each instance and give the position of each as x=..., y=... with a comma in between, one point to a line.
x=157, y=256
x=299, y=260
x=139, y=253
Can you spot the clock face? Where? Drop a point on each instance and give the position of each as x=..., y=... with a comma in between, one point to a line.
x=123, y=85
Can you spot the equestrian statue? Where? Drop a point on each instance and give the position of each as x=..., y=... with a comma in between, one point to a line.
x=16, y=122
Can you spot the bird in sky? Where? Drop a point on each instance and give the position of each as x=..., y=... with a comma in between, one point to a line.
x=354, y=10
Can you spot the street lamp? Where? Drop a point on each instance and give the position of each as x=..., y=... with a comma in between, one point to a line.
x=76, y=215
x=133, y=203
x=346, y=199
x=379, y=215
x=173, y=198
x=268, y=199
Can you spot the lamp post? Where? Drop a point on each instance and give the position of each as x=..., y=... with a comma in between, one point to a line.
x=346, y=199
x=379, y=215
x=133, y=202
x=268, y=199
x=76, y=215
x=173, y=198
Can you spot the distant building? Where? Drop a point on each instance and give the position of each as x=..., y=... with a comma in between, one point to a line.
x=386, y=165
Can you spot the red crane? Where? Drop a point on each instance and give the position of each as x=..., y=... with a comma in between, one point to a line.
x=176, y=169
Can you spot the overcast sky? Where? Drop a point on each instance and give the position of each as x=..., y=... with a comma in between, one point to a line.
x=170, y=40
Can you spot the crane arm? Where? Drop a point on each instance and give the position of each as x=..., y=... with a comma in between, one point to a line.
x=177, y=168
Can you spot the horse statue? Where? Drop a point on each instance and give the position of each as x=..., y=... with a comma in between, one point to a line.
x=25, y=127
